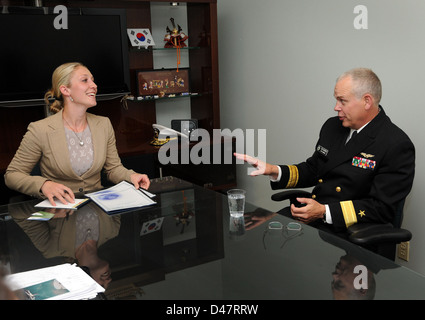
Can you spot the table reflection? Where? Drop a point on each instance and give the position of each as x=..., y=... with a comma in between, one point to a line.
x=292, y=249
x=354, y=274
x=188, y=247
x=71, y=236
x=132, y=248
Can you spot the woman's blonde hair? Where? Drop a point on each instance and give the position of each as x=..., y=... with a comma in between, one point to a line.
x=61, y=76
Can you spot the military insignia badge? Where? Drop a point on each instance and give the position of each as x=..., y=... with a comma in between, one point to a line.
x=367, y=155
x=363, y=163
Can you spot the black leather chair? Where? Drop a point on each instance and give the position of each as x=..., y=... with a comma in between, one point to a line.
x=379, y=238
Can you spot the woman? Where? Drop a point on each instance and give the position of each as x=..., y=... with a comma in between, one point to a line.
x=72, y=146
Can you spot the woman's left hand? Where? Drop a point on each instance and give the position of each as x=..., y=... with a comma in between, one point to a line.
x=140, y=180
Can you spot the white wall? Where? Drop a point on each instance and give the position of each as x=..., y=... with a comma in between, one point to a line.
x=278, y=63
x=161, y=12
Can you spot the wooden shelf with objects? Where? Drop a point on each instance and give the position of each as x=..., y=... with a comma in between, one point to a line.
x=133, y=120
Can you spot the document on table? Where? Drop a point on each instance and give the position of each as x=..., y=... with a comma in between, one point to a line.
x=59, y=205
x=121, y=197
x=61, y=282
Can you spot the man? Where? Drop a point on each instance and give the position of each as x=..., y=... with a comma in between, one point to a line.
x=356, y=180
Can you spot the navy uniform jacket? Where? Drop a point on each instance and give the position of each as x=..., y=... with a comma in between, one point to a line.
x=362, y=181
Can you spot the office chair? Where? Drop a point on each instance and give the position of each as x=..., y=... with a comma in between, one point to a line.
x=379, y=238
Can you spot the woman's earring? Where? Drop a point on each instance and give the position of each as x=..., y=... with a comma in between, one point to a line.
x=72, y=100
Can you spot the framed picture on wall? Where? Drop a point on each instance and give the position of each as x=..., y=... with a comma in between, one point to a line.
x=163, y=83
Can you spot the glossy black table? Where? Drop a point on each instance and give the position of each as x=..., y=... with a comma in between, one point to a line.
x=186, y=248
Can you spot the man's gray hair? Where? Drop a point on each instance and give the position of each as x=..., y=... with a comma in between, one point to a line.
x=364, y=81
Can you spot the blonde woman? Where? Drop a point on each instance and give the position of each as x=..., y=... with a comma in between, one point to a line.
x=71, y=146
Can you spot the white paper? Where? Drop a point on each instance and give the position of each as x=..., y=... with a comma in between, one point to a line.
x=78, y=283
x=119, y=197
x=59, y=205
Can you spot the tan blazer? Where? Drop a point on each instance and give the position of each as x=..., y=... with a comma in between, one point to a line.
x=45, y=141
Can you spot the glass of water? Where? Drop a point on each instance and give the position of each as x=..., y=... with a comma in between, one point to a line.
x=236, y=227
x=236, y=200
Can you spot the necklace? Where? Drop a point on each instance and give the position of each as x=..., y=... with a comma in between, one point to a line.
x=80, y=139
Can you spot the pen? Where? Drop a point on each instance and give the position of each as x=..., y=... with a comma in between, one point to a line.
x=144, y=191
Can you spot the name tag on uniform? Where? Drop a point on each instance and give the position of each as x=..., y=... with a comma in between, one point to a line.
x=322, y=150
x=363, y=163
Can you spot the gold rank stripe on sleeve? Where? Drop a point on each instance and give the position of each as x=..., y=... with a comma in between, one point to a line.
x=349, y=213
x=293, y=177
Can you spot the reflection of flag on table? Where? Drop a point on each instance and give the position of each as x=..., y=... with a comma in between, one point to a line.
x=151, y=226
x=140, y=37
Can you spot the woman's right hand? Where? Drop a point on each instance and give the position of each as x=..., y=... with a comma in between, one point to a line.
x=53, y=190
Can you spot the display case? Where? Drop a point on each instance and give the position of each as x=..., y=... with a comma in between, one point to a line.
x=132, y=118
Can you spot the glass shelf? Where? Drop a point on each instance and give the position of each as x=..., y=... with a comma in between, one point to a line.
x=141, y=48
x=156, y=98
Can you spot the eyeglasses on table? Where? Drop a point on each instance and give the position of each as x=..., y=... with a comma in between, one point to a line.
x=287, y=232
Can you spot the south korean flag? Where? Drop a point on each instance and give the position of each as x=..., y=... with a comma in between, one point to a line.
x=140, y=37
x=151, y=226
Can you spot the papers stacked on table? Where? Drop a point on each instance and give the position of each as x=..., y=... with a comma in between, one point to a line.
x=121, y=197
x=61, y=282
x=59, y=205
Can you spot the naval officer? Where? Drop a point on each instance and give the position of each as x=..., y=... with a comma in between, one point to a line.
x=362, y=167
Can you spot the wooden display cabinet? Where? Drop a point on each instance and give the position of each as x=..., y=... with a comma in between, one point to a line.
x=133, y=125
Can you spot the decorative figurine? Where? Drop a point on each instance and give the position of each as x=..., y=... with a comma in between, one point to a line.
x=183, y=217
x=175, y=39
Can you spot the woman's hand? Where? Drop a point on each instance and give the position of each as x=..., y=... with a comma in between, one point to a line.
x=140, y=180
x=53, y=190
